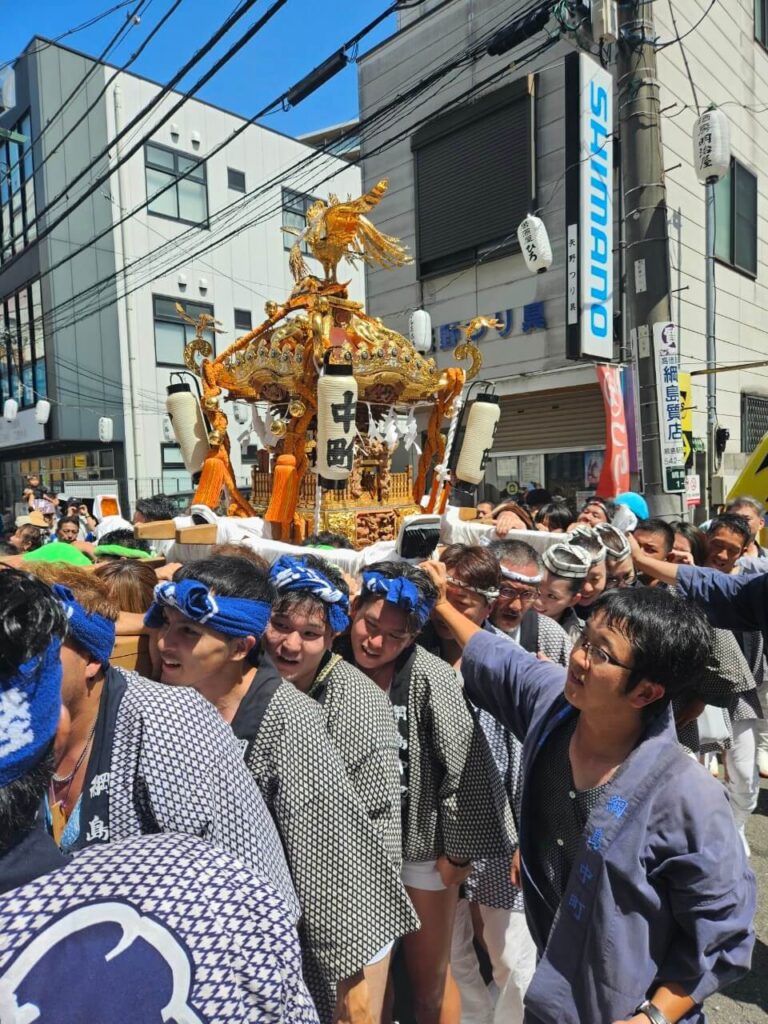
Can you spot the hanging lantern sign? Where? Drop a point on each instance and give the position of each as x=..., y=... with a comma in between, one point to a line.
x=189, y=425
x=534, y=242
x=42, y=411
x=712, y=146
x=478, y=438
x=336, y=412
x=10, y=409
x=420, y=330
x=106, y=429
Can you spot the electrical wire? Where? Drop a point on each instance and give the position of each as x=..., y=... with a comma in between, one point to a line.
x=82, y=314
x=215, y=243
x=222, y=217
x=69, y=32
x=124, y=67
x=213, y=40
x=678, y=38
x=114, y=41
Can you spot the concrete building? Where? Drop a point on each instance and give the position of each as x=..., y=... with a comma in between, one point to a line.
x=474, y=160
x=109, y=349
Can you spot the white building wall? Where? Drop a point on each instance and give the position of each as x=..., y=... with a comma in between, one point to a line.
x=729, y=68
x=243, y=273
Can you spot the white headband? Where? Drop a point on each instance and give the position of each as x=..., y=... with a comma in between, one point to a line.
x=518, y=577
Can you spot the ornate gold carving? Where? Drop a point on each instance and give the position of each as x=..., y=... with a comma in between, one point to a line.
x=337, y=231
x=467, y=349
x=198, y=345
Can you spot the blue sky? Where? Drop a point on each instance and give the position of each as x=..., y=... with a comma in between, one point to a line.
x=298, y=38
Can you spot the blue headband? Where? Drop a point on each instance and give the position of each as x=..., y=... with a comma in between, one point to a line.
x=30, y=704
x=292, y=574
x=94, y=633
x=399, y=591
x=233, y=616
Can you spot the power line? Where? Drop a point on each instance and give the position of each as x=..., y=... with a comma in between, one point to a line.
x=678, y=37
x=217, y=242
x=221, y=218
x=69, y=32
x=131, y=60
x=124, y=29
x=237, y=14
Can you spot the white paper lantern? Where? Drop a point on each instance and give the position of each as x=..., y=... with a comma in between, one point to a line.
x=534, y=242
x=106, y=429
x=420, y=330
x=10, y=409
x=189, y=425
x=478, y=438
x=336, y=412
x=712, y=145
x=43, y=411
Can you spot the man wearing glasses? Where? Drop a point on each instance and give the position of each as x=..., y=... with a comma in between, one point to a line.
x=513, y=613
x=637, y=890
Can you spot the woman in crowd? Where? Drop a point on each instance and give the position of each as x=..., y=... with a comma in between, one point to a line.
x=454, y=806
x=309, y=611
x=690, y=547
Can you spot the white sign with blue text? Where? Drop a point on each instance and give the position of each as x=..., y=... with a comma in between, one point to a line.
x=589, y=208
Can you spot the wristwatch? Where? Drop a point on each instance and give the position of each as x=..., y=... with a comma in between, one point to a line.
x=653, y=1013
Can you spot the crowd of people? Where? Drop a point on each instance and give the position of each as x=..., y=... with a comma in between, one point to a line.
x=474, y=790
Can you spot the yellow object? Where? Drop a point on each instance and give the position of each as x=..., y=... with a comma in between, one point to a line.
x=686, y=418
x=753, y=479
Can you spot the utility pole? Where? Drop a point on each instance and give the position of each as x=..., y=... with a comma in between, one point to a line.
x=645, y=223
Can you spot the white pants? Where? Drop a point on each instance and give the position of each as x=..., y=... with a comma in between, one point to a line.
x=743, y=779
x=513, y=958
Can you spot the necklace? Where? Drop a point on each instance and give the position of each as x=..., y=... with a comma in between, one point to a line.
x=61, y=780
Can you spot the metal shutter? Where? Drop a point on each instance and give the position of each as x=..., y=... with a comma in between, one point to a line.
x=565, y=418
x=474, y=179
x=754, y=421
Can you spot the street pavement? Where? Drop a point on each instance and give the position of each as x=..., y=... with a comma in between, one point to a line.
x=746, y=1002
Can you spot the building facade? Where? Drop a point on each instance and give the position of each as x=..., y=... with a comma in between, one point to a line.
x=473, y=159
x=99, y=334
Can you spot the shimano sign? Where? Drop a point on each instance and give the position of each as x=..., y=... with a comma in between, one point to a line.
x=589, y=208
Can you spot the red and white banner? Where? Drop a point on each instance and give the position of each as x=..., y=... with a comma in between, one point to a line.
x=614, y=478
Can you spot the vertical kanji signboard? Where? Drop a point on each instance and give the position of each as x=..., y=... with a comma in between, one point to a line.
x=670, y=407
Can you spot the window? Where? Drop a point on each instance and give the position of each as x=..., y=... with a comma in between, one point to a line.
x=761, y=21
x=17, y=190
x=754, y=421
x=175, y=475
x=242, y=320
x=22, y=352
x=172, y=333
x=295, y=206
x=184, y=199
x=736, y=219
x=235, y=180
x=474, y=180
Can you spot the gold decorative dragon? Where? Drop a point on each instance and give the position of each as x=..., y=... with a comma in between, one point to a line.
x=337, y=231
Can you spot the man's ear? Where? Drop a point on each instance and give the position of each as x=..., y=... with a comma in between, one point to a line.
x=242, y=647
x=575, y=599
x=645, y=693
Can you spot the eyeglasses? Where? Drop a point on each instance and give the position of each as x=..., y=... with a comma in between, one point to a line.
x=509, y=593
x=596, y=655
x=620, y=581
